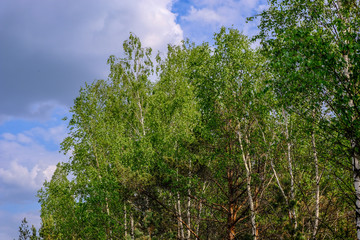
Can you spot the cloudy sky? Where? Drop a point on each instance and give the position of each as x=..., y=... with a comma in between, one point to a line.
x=50, y=48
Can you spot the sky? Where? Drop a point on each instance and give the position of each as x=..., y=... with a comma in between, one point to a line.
x=50, y=48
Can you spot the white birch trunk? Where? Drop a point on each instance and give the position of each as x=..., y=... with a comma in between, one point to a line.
x=292, y=211
x=199, y=213
x=247, y=163
x=356, y=176
x=278, y=182
x=354, y=143
x=142, y=123
x=132, y=227
x=182, y=235
x=317, y=193
x=125, y=221
x=188, y=213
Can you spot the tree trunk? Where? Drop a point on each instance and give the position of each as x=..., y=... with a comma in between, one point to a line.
x=252, y=207
x=356, y=176
x=292, y=212
x=200, y=209
x=231, y=208
x=178, y=221
x=180, y=224
x=354, y=142
x=125, y=221
x=141, y=115
x=188, y=214
x=317, y=193
x=247, y=163
x=181, y=234
x=278, y=182
x=132, y=227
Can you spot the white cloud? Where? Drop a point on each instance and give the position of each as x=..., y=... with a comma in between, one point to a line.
x=97, y=27
x=151, y=20
x=53, y=134
x=9, y=136
x=20, y=176
x=25, y=160
x=21, y=138
x=203, y=15
x=49, y=171
x=206, y=17
x=50, y=48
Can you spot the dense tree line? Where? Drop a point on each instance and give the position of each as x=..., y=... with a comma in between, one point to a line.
x=228, y=141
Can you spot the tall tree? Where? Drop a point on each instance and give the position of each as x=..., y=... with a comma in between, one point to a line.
x=174, y=115
x=313, y=49
x=24, y=232
x=110, y=153
x=233, y=113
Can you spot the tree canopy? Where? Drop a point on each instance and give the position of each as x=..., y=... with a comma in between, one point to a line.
x=222, y=141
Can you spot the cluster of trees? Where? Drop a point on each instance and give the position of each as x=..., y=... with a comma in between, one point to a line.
x=228, y=141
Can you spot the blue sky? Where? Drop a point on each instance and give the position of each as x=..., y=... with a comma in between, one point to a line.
x=50, y=48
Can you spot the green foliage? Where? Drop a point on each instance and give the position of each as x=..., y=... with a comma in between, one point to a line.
x=25, y=233
x=187, y=155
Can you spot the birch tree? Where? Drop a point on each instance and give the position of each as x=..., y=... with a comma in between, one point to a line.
x=312, y=47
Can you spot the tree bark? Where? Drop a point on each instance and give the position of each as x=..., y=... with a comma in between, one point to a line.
x=188, y=213
x=231, y=208
x=125, y=221
x=247, y=163
x=356, y=176
x=292, y=212
x=317, y=191
x=180, y=224
x=353, y=141
x=199, y=213
x=132, y=227
x=141, y=115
